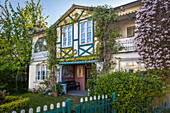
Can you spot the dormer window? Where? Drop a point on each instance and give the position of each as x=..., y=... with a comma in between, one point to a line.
x=40, y=45
x=131, y=31
x=67, y=36
x=86, y=32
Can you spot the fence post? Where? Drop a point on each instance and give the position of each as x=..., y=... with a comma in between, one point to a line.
x=86, y=105
x=102, y=103
x=22, y=111
x=63, y=107
x=58, y=108
x=45, y=108
x=95, y=108
x=38, y=109
x=31, y=110
x=77, y=109
x=81, y=105
x=113, y=100
x=68, y=106
x=105, y=103
x=109, y=111
x=51, y=108
x=98, y=103
x=91, y=104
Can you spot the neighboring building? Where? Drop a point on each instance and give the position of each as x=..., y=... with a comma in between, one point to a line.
x=76, y=42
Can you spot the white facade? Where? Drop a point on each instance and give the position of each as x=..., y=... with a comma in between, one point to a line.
x=38, y=60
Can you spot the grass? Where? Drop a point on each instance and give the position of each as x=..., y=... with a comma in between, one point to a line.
x=41, y=100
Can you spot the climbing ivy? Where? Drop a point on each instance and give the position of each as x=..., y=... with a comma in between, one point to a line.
x=106, y=32
x=52, y=61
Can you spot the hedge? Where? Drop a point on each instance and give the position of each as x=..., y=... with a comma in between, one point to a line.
x=11, y=98
x=16, y=105
x=133, y=90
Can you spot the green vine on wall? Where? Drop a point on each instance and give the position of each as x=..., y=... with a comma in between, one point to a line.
x=106, y=32
x=52, y=61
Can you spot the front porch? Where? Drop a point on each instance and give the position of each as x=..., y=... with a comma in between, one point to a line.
x=80, y=73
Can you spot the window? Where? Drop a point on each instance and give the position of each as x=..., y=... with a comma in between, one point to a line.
x=86, y=32
x=79, y=70
x=131, y=66
x=122, y=66
x=41, y=72
x=68, y=71
x=67, y=36
x=40, y=45
x=131, y=31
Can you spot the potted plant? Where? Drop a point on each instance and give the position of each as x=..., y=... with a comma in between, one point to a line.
x=56, y=89
x=34, y=90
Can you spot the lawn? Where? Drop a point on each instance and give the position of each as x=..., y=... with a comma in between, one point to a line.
x=41, y=100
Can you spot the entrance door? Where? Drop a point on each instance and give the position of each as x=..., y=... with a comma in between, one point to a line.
x=88, y=75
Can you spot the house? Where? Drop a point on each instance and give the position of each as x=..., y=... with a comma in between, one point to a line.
x=76, y=46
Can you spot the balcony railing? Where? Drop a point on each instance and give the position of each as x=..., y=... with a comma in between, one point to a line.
x=128, y=44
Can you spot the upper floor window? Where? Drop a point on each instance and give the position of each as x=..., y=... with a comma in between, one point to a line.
x=131, y=66
x=131, y=31
x=40, y=45
x=41, y=72
x=67, y=36
x=86, y=32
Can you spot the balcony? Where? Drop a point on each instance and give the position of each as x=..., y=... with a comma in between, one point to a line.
x=39, y=56
x=127, y=43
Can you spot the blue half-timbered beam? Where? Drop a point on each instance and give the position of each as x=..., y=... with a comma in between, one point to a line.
x=86, y=45
x=86, y=51
x=78, y=36
x=60, y=39
x=85, y=18
x=73, y=38
x=81, y=14
x=93, y=37
x=71, y=18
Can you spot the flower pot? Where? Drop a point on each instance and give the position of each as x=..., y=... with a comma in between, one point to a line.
x=55, y=93
x=34, y=91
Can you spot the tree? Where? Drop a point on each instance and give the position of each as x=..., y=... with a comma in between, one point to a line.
x=15, y=46
x=152, y=28
x=106, y=33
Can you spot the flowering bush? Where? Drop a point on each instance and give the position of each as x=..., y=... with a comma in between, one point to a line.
x=152, y=30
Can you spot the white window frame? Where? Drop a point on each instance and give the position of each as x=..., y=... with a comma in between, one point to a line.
x=41, y=73
x=66, y=36
x=127, y=65
x=86, y=32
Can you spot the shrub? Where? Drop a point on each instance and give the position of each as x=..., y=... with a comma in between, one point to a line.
x=16, y=104
x=57, y=88
x=11, y=98
x=132, y=89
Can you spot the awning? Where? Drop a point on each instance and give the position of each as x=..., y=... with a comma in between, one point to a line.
x=77, y=62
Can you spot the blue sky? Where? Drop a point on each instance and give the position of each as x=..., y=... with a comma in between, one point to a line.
x=56, y=8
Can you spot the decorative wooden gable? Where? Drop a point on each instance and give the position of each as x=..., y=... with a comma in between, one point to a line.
x=70, y=26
